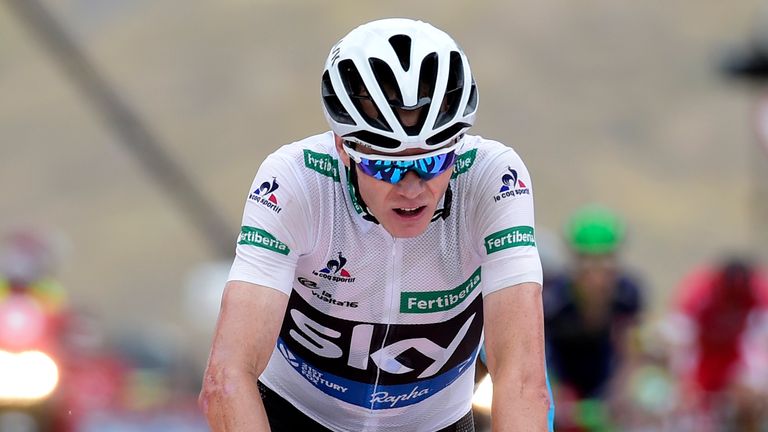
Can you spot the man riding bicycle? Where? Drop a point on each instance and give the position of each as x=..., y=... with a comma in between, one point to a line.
x=373, y=259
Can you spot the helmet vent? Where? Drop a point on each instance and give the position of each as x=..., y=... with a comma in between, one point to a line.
x=450, y=132
x=387, y=82
x=361, y=96
x=454, y=88
x=374, y=140
x=333, y=104
x=402, y=45
x=472, y=102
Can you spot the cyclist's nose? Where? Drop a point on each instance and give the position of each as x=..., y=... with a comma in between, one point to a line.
x=411, y=186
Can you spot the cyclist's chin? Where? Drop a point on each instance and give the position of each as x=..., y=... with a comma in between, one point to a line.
x=404, y=225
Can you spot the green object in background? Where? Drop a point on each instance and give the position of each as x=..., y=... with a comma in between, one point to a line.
x=594, y=230
x=592, y=416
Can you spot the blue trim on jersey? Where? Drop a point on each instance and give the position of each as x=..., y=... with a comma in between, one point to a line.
x=362, y=394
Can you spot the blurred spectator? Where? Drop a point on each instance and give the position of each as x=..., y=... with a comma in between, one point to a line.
x=589, y=311
x=28, y=262
x=93, y=379
x=719, y=335
x=142, y=383
x=32, y=314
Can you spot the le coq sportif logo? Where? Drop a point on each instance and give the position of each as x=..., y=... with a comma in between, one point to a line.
x=265, y=195
x=511, y=186
x=334, y=270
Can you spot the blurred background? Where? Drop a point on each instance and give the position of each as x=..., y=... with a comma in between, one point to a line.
x=129, y=152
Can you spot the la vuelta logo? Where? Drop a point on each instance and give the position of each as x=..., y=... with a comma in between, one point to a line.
x=265, y=195
x=512, y=186
x=334, y=270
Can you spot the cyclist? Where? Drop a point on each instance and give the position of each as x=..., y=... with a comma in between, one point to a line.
x=589, y=311
x=718, y=330
x=371, y=256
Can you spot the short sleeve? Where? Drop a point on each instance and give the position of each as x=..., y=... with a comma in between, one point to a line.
x=276, y=227
x=504, y=223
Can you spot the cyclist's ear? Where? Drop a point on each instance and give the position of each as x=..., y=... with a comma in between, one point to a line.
x=340, y=150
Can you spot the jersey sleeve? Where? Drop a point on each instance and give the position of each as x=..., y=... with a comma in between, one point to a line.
x=276, y=227
x=504, y=223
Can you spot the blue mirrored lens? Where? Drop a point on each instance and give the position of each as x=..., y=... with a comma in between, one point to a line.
x=393, y=171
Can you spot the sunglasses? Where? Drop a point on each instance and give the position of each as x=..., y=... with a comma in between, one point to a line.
x=392, y=169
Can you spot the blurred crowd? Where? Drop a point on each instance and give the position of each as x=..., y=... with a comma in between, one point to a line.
x=701, y=365
x=58, y=372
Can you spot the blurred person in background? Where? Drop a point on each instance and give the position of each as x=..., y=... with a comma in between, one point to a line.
x=356, y=298
x=590, y=311
x=719, y=335
x=28, y=263
x=93, y=379
x=89, y=378
x=133, y=385
x=33, y=307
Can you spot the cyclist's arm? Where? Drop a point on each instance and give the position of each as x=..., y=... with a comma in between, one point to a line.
x=514, y=342
x=246, y=332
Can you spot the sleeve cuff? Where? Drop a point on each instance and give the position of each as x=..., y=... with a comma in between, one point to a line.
x=497, y=274
x=275, y=279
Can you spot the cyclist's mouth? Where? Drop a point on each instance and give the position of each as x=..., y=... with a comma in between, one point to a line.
x=410, y=212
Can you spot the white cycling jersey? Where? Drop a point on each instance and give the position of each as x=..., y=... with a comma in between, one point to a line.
x=382, y=333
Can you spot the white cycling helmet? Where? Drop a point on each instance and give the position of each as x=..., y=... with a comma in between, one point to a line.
x=393, y=65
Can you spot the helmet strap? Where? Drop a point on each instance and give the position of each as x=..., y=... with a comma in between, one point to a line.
x=446, y=210
x=353, y=181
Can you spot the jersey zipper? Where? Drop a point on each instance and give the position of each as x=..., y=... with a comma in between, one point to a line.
x=390, y=295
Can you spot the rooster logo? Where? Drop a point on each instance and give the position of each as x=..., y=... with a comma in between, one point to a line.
x=268, y=188
x=336, y=266
x=511, y=181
